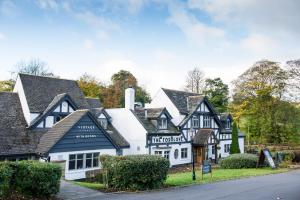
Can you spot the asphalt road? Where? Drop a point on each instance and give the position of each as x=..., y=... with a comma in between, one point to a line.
x=279, y=186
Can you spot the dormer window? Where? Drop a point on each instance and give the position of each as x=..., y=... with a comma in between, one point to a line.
x=195, y=122
x=162, y=123
x=103, y=122
x=228, y=124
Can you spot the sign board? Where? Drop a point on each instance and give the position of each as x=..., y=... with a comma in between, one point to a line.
x=206, y=168
x=265, y=155
x=166, y=139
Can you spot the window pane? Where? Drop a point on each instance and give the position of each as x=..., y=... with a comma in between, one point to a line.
x=96, y=162
x=79, y=164
x=72, y=157
x=88, y=163
x=71, y=164
x=79, y=156
x=89, y=155
x=96, y=155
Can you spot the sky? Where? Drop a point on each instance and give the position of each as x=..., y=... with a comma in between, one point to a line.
x=158, y=41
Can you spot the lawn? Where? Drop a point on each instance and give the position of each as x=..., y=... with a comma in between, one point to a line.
x=185, y=178
x=94, y=186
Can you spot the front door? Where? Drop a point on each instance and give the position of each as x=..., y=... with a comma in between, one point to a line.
x=199, y=154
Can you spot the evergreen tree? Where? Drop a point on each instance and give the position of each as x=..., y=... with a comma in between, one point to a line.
x=234, y=148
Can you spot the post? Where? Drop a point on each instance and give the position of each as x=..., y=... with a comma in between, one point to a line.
x=194, y=174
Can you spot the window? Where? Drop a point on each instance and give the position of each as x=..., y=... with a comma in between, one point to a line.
x=228, y=123
x=206, y=121
x=162, y=123
x=195, y=122
x=176, y=153
x=213, y=150
x=103, y=122
x=167, y=154
x=184, y=153
x=226, y=148
x=158, y=153
x=83, y=161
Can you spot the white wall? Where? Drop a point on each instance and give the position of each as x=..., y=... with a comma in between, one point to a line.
x=222, y=143
x=77, y=174
x=131, y=129
x=162, y=100
x=242, y=144
x=19, y=89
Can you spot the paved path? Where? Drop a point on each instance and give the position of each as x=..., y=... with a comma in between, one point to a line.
x=279, y=186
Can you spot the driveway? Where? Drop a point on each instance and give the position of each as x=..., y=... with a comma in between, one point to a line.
x=279, y=186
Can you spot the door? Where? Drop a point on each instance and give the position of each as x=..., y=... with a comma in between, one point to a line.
x=199, y=154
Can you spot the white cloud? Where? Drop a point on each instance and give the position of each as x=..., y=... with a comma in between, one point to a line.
x=2, y=36
x=194, y=29
x=258, y=43
x=163, y=56
x=88, y=44
x=48, y=4
x=8, y=8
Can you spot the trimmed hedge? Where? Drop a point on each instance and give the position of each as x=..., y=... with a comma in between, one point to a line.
x=33, y=178
x=135, y=172
x=6, y=173
x=238, y=161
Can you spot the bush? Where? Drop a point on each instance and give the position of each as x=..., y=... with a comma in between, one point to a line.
x=6, y=173
x=29, y=178
x=297, y=156
x=237, y=161
x=136, y=172
x=37, y=178
x=288, y=156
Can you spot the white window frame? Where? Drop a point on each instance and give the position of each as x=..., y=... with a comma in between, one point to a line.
x=95, y=156
x=206, y=121
x=184, y=153
x=227, y=148
x=167, y=154
x=103, y=123
x=195, y=121
x=163, y=123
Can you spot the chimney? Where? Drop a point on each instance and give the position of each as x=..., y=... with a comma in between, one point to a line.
x=129, y=98
x=146, y=113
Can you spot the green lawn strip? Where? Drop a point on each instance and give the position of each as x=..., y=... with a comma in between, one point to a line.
x=94, y=186
x=185, y=178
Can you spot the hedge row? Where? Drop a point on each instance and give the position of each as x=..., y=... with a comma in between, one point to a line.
x=29, y=178
x=238, y=161
x=135, y=172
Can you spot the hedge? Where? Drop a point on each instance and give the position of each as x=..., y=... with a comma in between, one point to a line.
x=135, y=172
x=238, y=161
x=33, y=178
x=6, y=173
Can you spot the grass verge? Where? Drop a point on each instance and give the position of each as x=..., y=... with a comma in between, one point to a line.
x=185, y=178
x=94, y=186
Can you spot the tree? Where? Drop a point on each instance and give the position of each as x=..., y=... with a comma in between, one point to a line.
x=33, y=67
x=259, y=104
x=217, y=93
x=6, y=85
x=234, y=147
x=195, y=81
x=90, y=86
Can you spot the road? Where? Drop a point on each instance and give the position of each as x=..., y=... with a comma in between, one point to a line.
x=278, y=187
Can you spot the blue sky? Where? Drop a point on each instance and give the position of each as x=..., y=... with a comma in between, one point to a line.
x=157, y=40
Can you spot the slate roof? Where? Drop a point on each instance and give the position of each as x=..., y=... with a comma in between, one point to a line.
x=179, y=99
x=193, y=102
x=40, y=91
x=93, y=102
x=150, y=124
x=14, y=137
x=53, y=135
x=201, y=137
x=113, y=132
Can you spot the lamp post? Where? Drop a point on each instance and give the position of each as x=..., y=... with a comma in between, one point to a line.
x=193, y=157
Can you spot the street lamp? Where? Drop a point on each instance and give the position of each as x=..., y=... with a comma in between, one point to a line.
x=193, y=157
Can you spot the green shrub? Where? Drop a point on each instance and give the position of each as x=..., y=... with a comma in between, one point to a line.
x=238, y=161
x=136, y=172
x=288, y=156
x=6, y=173
x=37, y=178
x=297, y=156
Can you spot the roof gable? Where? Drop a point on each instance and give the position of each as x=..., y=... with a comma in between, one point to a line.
x=179, y=99
x=40, y=91
x=78, y=131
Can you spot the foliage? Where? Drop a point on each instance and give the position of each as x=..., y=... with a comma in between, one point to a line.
x=90, y=86
x=32, y=177
x=195, y=81
x=135, y=172
x=6, y=173
x=217, y=93
x=6, y=85
x=288, y=156
x=238, y=161
x=297, y=156
x=234, y=147
x=260, y=106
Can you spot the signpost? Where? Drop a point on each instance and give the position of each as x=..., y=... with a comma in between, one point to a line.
x=266, y=155
x=206, y=168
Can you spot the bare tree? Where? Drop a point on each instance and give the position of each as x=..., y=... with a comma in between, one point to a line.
x=195, y=81
x=34, y=67
x=293, y=68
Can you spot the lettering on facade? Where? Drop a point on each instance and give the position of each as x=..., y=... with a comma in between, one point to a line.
x=85, y=136
x=86, y=129
x=166, y=139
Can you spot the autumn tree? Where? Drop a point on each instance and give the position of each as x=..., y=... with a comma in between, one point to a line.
x=6, y=85
x=258, y=102
x=90, y=85
x=195, y=81
x=217, y=93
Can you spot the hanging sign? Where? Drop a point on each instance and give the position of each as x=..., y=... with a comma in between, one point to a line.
x=206, y=168
x=265, y=155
